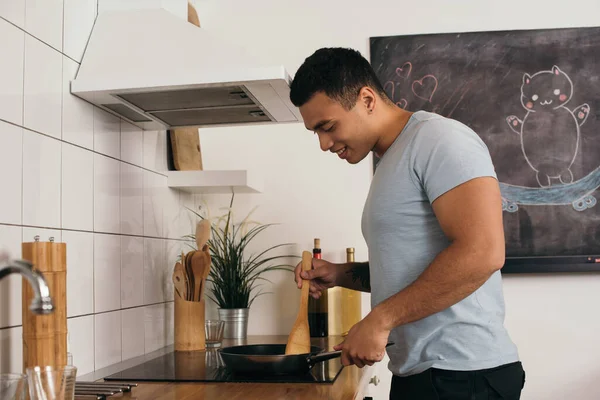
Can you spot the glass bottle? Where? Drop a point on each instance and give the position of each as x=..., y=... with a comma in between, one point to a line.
x=351, y=301
x=318, y=308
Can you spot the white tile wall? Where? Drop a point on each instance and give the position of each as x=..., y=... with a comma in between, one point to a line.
x=78, y=22
x=107, y=338
x=169, y=321
x=11, y=350
x=13, y=11
x=155, y=270
x=107, y=197
x=77, y=188
x=171, y=213
x=44, y=20
x=132, y=199
x=154, y=327
x=133, y=337
x=81, y=343
x=10, y=287
x=107, y=133
x=107, y=272
x=153, y=203
x=155, y=145
x=187, y=219
x=12, y=43
x=80, y=272
x=132, y=271
x=77, y=115
x=42, y=104
x=41, y=180
x=11, y=162
x=132, y=143
x=82, y=176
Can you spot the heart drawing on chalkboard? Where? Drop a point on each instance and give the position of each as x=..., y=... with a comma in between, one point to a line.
x=402, y=103
x=404, y=71
x=425, y=87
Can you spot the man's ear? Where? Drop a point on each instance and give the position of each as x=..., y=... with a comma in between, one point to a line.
x=367, y=99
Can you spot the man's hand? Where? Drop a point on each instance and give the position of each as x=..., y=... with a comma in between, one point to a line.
x=321, y=277
x=365, y=343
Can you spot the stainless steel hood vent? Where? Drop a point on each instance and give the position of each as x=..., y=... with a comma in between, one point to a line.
x=159, y=71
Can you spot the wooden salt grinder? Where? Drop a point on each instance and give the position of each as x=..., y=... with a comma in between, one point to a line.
x=45, y=336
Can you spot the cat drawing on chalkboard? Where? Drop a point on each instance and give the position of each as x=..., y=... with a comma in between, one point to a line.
x=549, y=131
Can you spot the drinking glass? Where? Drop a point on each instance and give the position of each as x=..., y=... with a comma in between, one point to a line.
x=49, y=383
x=213, y=330
x=12, y=386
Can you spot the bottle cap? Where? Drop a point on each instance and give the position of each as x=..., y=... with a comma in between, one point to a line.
x=349, y=249
x=317, y=244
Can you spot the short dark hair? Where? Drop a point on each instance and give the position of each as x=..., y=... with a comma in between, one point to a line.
x=338, y=72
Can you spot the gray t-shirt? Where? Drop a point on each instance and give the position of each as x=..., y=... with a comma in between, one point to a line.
x=431, y=155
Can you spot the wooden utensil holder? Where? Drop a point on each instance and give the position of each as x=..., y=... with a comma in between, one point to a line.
x=189, y=325
x=45, y=336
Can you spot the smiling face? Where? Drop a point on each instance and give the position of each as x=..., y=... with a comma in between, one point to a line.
x=546, y=90
x=344, y=132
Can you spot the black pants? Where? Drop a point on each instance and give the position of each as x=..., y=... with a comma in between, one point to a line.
x=500, y=383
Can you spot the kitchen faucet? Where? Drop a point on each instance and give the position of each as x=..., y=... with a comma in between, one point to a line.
x=41, y=302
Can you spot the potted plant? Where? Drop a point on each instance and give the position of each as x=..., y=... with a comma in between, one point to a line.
x=235, y=273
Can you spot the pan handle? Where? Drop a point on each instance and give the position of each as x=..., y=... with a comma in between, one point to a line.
x=317, y=358
x=331, y=354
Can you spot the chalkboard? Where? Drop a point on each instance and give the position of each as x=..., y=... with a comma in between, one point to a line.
x=533, y=96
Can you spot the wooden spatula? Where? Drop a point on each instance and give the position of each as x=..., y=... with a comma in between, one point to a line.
x=299, y=339
x=206, y=261
x=179, y=281
x=198, y=261
x=189, y=277
x=202, y=233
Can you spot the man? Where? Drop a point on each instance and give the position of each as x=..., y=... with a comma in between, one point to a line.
x=432, y=222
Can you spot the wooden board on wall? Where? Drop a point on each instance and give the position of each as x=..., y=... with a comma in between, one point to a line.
x=478, y=78
x=185, y=149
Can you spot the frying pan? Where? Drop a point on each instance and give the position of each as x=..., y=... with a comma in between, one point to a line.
x=270, y=359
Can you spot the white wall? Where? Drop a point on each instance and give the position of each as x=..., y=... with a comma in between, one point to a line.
x=552, y=318
x=72, y=171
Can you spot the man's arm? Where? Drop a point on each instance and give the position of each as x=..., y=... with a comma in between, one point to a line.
x=471, y=217
x=354, y=276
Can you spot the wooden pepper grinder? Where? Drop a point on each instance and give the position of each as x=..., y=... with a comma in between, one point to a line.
x=45, y=336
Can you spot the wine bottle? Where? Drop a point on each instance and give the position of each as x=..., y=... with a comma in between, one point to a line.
x=351, y=310
x=318, y=308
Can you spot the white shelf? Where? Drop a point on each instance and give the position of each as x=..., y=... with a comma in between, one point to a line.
x=237, y=181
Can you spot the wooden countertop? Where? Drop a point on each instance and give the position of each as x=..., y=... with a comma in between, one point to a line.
x=349, y=384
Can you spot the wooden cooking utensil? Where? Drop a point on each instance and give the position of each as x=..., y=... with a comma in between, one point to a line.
x=196, y=266
x=193, y=15
x=202, y=233
x=208, y=261
x=185, y=141
x=179, y=281
x=205, y=260
x=189, y=277
x=299, y=339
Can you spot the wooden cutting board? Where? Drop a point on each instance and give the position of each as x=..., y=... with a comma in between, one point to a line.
x=185, y=142
x=185, y=145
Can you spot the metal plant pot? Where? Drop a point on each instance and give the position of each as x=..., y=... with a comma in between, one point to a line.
x=236, y=322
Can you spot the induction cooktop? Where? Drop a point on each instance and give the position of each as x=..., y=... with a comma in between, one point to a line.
x=208, y=366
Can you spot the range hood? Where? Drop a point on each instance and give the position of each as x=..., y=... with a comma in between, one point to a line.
x=158, y=71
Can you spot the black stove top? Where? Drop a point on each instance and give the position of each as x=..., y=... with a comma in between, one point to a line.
x=208, y=366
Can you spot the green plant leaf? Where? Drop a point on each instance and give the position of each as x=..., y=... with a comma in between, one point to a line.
x=236, y=275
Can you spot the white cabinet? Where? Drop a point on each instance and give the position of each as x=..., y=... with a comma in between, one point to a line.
x=379, y=380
